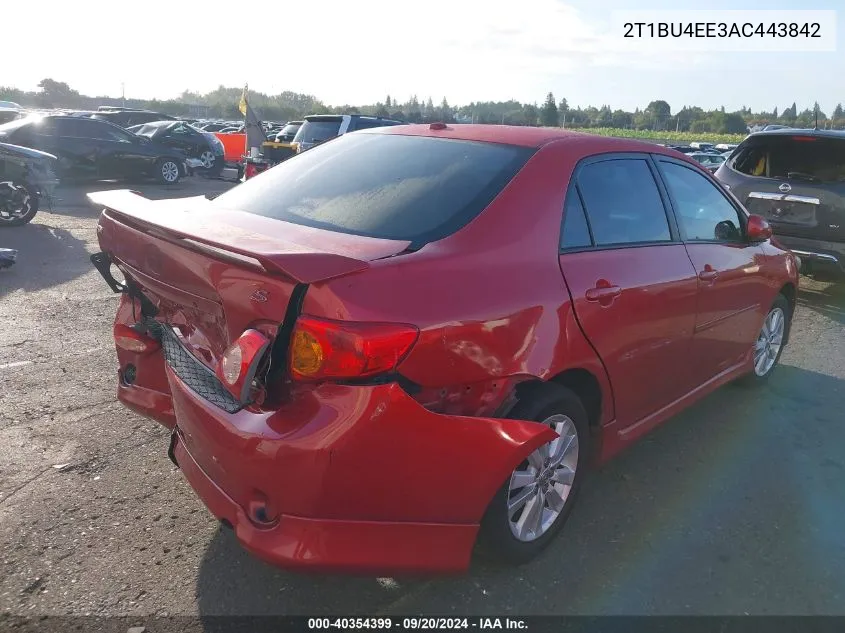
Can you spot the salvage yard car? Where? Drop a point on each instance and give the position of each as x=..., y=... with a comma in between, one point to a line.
x=192, y=142
x=414, y=336
x=88, y=149
x=796, y=180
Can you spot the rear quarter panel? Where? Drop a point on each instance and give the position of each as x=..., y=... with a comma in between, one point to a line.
x=490, y=300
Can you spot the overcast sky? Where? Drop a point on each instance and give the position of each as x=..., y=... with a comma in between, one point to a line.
x=357, y=52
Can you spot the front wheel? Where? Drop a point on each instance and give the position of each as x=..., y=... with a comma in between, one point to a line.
x=168, y=172
x=535, y=501
x=18, y=205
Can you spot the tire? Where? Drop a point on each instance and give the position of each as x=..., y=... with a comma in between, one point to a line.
x=760, y=374
x=164, y=171
x=498, y=538
x=212, y=165
x=29, y=201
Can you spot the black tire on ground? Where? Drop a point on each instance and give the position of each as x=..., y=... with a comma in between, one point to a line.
x=164, y=171
x=496, y=539
x=753, y=379
x=34, y=202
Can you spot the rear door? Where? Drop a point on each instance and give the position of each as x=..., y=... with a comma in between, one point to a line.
x=733, y=293
x=78, y=152
x=631, y=281
x=795, y=181
x=120, y=153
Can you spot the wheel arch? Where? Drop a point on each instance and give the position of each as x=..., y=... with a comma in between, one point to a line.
x=790, y=293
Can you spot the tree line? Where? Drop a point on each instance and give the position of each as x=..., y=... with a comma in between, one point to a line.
x=287, y=106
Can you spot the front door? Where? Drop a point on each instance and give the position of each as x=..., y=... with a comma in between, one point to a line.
x=732, y=290
x=632, y=284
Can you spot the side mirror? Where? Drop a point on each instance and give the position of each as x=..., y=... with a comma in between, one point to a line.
x=758, y=230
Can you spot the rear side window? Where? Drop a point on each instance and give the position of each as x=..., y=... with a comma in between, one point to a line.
x=575, y=233
x=318, y=131
x=623, y=202
x=793, y=157
x=396, y=187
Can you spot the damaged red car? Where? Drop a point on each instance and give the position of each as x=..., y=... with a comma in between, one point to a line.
x=414, y=339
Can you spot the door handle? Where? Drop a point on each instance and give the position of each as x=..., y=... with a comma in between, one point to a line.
x=604, y=292
x=708, y=274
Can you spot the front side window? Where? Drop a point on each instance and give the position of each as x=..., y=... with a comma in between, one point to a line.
x=623, y=202
x=703, y=212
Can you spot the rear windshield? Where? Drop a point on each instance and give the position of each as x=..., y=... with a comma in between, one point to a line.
x=798, y=158
x=408, y=188
x=318, y=131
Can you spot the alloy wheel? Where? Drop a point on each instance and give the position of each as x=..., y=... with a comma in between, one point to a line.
x=207, y=159
x=17, y=203
x=768, y=344
x=540, y=486
x=170, y=171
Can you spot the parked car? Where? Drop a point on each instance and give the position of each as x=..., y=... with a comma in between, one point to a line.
x=190, y=141
x=708, y=160
x=8, y=114
x=796, y=179
x=288, y=132
x=319, y=128
x=130, y=118
x=26, y=177
x=95, y=150
x=10, y=105
x=409, y=336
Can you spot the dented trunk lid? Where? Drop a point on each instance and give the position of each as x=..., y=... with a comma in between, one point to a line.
x=212, y=273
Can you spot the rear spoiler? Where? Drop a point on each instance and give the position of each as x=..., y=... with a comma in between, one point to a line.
x=213, y=233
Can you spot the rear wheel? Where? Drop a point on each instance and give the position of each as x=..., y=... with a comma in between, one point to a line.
x=768, y=346
x=167, y=171
x=534, y=503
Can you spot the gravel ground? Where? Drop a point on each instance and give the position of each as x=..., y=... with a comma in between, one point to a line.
x=734, y=507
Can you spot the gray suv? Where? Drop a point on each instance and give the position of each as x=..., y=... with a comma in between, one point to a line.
x=796, y=180
x=319, y=128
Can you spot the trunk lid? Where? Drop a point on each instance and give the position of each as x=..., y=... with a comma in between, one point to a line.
x=214, y=273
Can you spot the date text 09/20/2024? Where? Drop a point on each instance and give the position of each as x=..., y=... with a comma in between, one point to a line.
x=421, y=623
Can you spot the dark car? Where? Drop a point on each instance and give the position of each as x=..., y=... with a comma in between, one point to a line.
x=288, y=132
x=796, y=180
x=319, y=128
x=191, y=141
x=370, y=355
x=129, y=118
x=9, y=114
x=95, y=150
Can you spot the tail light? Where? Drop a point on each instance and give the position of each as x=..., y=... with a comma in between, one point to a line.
x=323, y=349
x=132, y=340
x=240, y=362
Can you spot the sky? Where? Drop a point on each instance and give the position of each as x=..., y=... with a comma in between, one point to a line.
x=358, y=52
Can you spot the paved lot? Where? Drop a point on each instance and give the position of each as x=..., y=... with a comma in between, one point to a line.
x=736, y=506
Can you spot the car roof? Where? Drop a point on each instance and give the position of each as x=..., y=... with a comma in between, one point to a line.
x=524, y=136
x=792, y=131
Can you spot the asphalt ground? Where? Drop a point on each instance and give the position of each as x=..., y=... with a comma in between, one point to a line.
x=736, y=506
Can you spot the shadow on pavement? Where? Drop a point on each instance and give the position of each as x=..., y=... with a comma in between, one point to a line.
x=701, y=517
x=828, y=301
x=47, y=256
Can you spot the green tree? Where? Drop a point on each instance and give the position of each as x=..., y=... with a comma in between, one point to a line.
x=387, y=103
x=57, y=94
x=658, y=113
x=837, y=112
x=549, y=114
x=530, y=114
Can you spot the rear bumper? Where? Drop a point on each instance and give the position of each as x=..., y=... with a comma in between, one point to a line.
x=816, y=254
x=337, y=545
x=356, y=479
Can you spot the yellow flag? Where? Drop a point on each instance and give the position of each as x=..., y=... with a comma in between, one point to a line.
x=242, y=106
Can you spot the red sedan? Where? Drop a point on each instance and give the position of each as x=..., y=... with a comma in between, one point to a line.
x=410, y=339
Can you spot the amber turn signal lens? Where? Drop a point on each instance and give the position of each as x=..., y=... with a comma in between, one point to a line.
x=306, y=354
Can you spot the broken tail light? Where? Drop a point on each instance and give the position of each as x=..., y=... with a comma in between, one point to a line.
x=131, y=340
x=324, y=349
x=240, y=362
